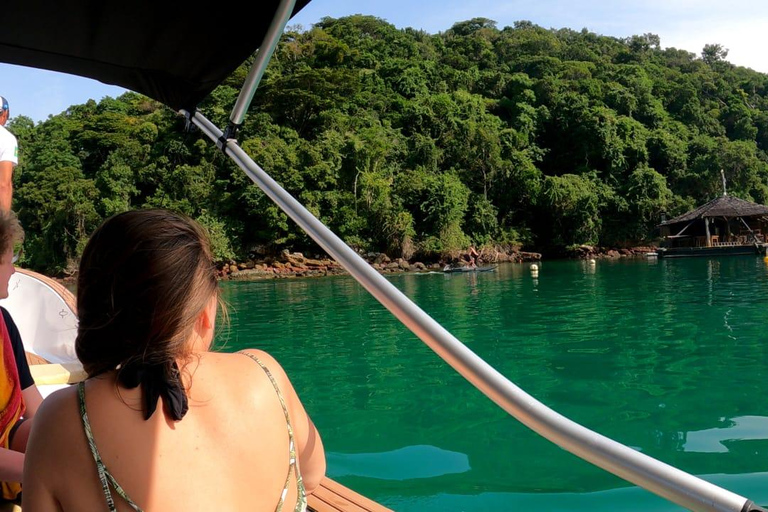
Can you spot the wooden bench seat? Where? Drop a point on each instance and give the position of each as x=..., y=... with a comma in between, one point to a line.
x=331, y=496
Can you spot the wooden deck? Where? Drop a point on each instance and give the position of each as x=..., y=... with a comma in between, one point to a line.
x=331, y=496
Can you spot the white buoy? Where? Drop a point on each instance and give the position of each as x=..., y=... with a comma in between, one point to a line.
x=534, y=268
x=591, y=261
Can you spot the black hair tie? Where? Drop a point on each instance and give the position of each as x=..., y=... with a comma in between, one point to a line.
x=157, y=380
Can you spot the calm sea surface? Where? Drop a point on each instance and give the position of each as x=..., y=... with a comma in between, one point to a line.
x=669, y=357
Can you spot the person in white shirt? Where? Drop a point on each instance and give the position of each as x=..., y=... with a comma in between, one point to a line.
x=9, y=157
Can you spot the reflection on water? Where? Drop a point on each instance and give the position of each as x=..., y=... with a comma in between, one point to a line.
x=401, y=464
x=721, y=440
x=630, y=499
x=666, y=356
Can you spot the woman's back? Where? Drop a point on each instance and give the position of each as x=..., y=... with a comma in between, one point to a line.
x=230, y=452
x=162, y=422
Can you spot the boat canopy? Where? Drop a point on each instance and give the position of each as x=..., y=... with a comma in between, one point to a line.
x=176, y=53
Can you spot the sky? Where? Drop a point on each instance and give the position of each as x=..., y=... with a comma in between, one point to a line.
x=741, y=26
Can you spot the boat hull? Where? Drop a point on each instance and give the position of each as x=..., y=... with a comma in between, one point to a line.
x=731, y=250
x=45, y=313
x=458, y=270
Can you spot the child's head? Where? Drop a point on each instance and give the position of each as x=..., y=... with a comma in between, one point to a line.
x=11, y=236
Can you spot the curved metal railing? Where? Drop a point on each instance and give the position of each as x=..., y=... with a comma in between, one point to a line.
x=658, y=477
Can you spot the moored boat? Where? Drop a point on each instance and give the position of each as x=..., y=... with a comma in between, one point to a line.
x=451, y=270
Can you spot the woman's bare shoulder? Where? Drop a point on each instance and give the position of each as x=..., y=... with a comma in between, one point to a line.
x=57, y=429
x=228, y=370
x=243, y=370
x=269, y=362
x=262, y=356
x=238, y=359
x=58, y=418
x=60, y=403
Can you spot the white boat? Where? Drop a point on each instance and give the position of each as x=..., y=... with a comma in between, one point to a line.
x=45, y=313
x=178, y=55
x=49, y=329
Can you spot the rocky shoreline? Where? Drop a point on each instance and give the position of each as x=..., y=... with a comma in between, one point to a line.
x=296, y=264
x=586, y=252
x=293, y=265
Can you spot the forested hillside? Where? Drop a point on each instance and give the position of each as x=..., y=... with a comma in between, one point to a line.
x=416, y=144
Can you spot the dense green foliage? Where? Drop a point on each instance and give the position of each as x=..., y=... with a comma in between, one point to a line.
x=417, y=144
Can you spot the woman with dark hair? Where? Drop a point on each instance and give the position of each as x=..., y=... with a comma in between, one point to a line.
x=162, y=423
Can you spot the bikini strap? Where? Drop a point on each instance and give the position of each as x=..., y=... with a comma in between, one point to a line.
x=105, y=476
x=293, y=461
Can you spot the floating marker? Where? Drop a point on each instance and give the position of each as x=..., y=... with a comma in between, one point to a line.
x=591, y=261
x=535, y=267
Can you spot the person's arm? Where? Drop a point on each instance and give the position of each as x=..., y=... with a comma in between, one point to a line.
x=38, y=500
x=311, y=451
x=41, y=463
x=32, y=400
x=32, y=397
x=308, y=442
x=6, y=184
x=11, y=465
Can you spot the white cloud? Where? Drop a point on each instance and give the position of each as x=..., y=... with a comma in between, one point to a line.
x=744, y=39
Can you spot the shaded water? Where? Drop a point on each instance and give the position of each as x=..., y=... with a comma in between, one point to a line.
x=668, y=357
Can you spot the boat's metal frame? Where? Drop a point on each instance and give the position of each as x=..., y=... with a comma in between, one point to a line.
x=658, y=477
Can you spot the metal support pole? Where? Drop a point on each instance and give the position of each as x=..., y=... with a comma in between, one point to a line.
x=267, y=48
x=668, y=482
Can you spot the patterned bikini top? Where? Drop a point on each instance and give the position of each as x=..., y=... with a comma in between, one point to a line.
x=108, y=480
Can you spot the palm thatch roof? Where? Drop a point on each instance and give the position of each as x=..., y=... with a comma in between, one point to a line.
x=723, y=206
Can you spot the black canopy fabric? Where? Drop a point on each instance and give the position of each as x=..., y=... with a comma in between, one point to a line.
x=176, y=53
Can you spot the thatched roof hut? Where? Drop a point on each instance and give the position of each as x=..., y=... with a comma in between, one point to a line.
x=723, y=206
x=724, y=221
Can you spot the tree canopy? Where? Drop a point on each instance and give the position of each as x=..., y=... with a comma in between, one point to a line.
x=416, y=143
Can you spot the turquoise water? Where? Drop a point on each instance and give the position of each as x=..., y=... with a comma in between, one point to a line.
x=669, y=357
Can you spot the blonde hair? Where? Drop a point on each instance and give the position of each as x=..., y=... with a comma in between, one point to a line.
x=11, y=232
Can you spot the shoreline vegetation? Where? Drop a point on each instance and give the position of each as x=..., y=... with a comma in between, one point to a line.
x=416, y=146
x=297, y=265
x=291, y=265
